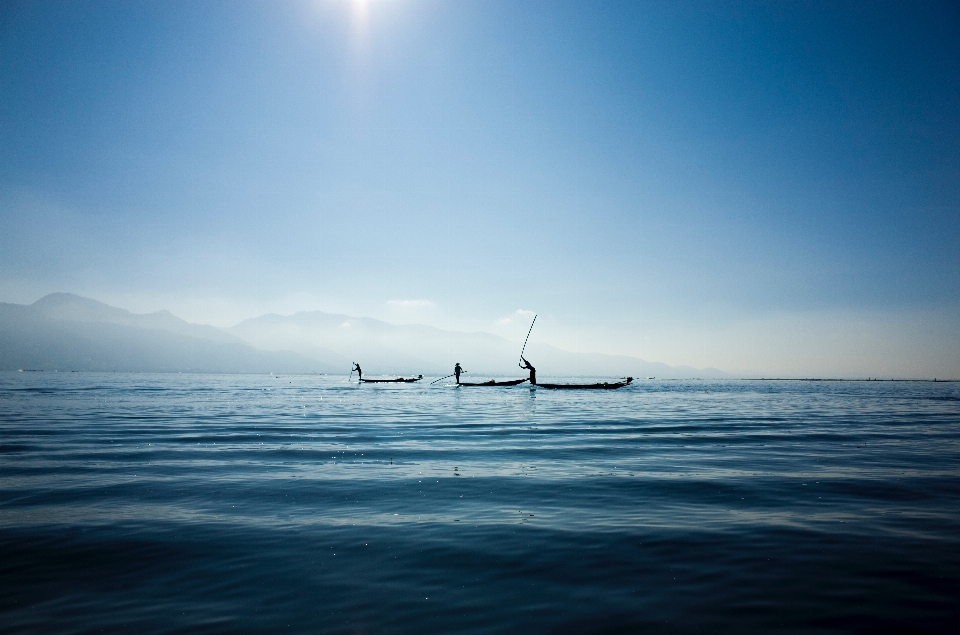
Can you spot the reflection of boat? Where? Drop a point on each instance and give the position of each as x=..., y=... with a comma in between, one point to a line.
x=398, y=380
x=602, y=386
x=512, y=382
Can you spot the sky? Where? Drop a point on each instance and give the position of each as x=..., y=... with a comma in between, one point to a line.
x=768, y=187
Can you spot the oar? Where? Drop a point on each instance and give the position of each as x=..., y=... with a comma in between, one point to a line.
x=462, y=372
x=528, y=337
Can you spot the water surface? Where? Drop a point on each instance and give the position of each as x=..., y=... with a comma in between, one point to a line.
x=253, y=503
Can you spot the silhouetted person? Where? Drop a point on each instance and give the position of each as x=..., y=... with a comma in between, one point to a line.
x=457, y=370
x=533, y=371
x=356, y=367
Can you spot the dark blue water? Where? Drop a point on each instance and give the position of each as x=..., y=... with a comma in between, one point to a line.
x=202, y=503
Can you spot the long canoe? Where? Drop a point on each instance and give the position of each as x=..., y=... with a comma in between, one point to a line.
x=398, y=380
x=512, y=382
x=601, y=386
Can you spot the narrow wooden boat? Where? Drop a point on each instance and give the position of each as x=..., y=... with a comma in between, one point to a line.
x=512, y=382
x=398, y=380
x=601, y=386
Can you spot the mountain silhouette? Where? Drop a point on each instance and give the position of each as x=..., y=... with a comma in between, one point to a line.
x=63, y=331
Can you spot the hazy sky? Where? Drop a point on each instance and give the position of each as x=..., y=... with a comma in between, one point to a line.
x=771, y=187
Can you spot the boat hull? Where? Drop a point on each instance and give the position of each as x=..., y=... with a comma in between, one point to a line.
x=398, y=380
x=601, y=386
x=512, y=382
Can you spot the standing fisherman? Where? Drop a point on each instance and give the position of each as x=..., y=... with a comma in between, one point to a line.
x=533, y=371
x=457, y=370
x=356, y=367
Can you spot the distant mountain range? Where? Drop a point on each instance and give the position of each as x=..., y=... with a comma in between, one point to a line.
x=380, y=347
x=64, y=332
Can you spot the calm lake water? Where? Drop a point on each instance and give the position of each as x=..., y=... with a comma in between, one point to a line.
x=251, y=503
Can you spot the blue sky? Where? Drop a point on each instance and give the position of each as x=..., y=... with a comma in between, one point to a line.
x=772, y=187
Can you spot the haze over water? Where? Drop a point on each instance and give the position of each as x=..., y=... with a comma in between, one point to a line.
x=255, y=503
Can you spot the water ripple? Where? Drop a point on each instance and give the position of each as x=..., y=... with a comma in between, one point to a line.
x=235, y=503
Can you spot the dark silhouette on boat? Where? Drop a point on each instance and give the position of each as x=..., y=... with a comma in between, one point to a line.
x=600, y=386
x=528, y=366
x=398, y=380
x=512, y=382
x=457, y=370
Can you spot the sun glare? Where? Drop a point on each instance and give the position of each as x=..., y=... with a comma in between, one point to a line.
x=360, y=14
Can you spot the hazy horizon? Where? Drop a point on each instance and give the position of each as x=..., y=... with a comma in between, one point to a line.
x=768, y=188
x=68, y=332
x=324, y=342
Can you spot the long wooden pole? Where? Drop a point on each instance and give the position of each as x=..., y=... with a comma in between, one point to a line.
x=463, y=372
x=528, y=337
